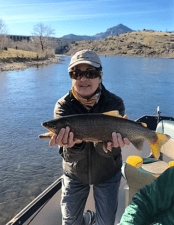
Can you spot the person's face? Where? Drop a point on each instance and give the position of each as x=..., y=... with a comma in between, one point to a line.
x=85, y=87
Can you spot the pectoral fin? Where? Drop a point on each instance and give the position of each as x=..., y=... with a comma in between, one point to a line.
x=138, y=143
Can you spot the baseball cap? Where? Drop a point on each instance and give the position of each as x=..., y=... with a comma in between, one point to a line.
x=85, y=56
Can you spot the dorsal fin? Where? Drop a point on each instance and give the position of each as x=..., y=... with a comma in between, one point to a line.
x=113, y=113
x=144, y=124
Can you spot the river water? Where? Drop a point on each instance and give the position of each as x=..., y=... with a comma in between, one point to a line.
x=27, y=98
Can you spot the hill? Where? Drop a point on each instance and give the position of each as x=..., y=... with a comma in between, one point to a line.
x=140, y=43
x=119, y=29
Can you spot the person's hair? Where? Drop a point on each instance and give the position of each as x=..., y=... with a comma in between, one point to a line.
x=99, y=68
x=100, y=71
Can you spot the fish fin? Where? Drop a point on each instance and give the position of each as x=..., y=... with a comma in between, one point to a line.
x=105, y=147
x=46, y=135
x=144, y=124
x=138, y=143
x=91, y=140
x=156, y=147
x=113, y=113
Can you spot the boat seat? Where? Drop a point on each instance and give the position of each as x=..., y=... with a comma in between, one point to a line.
x=166, y=127
x=140, y=172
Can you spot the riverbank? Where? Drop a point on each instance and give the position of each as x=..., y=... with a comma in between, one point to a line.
x=133, y=44
x=149, y=44
x=12, y=59
x=26, y=63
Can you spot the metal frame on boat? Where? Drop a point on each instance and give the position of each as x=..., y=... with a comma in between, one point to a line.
x=45, y=209
x=152, y=121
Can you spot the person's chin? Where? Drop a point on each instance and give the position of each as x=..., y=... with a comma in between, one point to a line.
x=85, y=88
x=85, y=92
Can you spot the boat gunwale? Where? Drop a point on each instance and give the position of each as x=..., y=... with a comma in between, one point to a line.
x=37, y=203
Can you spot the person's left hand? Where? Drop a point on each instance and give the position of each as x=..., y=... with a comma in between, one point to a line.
x=117, y=140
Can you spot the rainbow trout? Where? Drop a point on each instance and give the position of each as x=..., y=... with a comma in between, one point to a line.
x=99, y=128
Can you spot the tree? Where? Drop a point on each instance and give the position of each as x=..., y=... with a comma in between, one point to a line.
x=41, y=36
x=3, y=34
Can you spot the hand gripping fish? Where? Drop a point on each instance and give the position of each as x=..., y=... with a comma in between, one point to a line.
x=98, y=127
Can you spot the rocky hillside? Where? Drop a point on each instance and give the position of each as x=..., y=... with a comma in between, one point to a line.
x=139, y=44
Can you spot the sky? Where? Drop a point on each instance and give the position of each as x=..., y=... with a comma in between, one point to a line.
x=86, y=17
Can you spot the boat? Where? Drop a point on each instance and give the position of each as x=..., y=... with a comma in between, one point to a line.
x=45, y=209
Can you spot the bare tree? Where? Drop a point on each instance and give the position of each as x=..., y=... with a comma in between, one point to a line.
x=41, y=36
x=3, y=34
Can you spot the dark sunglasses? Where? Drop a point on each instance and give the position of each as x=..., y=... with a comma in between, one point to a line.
x=91, y=74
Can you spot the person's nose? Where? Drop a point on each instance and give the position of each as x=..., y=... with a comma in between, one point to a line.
x=83, y=78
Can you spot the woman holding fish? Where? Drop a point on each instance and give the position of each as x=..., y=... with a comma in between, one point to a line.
x=88, y=162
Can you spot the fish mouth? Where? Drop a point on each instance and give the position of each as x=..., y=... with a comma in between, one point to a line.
x=53, y=130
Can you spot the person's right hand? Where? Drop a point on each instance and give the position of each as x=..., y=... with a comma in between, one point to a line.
x=64, y=138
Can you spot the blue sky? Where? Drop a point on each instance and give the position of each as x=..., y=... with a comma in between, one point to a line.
x=86, y=17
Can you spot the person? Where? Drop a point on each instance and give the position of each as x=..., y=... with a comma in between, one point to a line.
x=153, y=204
x=88, y=163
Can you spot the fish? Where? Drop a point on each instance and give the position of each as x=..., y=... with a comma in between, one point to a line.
x=98, y=127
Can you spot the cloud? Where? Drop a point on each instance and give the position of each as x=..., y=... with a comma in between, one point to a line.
x=46, y=18
x=72, y=10
x=22, y=19
x=71, y=3
x=38, y=4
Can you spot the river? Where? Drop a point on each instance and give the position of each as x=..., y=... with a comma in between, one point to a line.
x=27, y=98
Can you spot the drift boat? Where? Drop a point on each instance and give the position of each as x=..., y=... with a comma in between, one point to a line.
x=45, y=209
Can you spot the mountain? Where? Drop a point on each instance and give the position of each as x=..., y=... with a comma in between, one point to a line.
x=113, y=31
x=78, y=37
x=119, y=29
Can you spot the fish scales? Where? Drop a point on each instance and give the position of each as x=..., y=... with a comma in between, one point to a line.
x=99, y=127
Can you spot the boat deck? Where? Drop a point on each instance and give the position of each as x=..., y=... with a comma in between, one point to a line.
x=51, y=212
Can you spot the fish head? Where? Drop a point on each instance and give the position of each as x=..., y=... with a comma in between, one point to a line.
x=57, y=124
x=51, y=126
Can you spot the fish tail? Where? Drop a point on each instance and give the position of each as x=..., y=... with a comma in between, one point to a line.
x=156, y=147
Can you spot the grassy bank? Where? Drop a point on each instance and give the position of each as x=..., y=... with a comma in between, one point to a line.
x=12, y=59
x=135, y=44
x=11, y=53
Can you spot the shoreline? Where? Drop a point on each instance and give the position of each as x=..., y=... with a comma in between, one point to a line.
x=22, y=64
x=164, y=55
